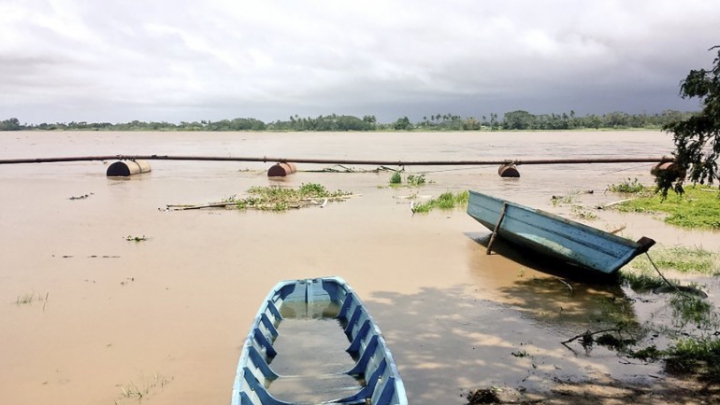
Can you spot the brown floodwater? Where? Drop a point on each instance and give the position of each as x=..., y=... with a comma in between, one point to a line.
x=167, y=317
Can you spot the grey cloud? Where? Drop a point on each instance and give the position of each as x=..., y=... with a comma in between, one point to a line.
x=187, y=60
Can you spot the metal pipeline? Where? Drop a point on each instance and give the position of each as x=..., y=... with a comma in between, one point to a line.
x=266, y=159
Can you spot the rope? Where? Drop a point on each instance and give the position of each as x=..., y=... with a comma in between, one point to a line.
x=662, y=276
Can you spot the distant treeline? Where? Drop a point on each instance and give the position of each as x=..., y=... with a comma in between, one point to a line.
x=515, y=120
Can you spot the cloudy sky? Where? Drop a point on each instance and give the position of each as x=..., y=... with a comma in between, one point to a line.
x=186, y=60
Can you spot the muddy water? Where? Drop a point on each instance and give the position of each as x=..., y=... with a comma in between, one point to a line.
x=167, y=316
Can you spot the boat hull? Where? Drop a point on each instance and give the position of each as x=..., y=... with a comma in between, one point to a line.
x=373, y=364
x=554, y=236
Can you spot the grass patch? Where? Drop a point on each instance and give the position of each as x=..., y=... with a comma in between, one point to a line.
x=697, y=208
x=276, y=198
x=695, y=356
x=627, y=187
x=682, y=259
x=446, y=201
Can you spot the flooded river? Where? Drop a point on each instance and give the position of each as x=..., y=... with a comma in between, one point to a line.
x=109, y=320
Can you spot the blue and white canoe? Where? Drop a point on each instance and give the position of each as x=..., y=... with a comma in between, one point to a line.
x=554, y=236
x=278, y=368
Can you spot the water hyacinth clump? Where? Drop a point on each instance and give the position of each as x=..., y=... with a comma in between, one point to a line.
x=446, y=201
x=276, y=198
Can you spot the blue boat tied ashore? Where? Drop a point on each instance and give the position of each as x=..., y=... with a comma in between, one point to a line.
x=371, y=378
x=551, y=235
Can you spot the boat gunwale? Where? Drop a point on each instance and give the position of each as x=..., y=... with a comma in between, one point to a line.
x=634, y=248
x=246, y=360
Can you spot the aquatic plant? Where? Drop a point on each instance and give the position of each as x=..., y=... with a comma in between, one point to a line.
x=629, y=186
x=131, y=238
x=416, y=180
x=276, y=198
x=396, y=178
x=445, y=201
x=583, y=213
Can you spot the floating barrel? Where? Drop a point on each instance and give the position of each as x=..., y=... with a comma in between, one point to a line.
x=674, y=171
x=281, y=169
x=508, y=170
x=128, y=168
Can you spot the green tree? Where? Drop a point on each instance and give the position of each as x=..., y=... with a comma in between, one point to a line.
x=697, y=138
x=518, y=120
x=11, y=124
x=402, y=124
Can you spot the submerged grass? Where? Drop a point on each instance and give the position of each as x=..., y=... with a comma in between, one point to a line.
x=681, y=259
x=641, y=282
x=629, y=186
x=446, y=201
x=29, y=298
x=695, y=356
x=697, y=208
x=146, y=387
x=689, y=309
x=275, y=198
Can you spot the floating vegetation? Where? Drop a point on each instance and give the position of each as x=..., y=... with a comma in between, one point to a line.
x=697, y=208
x=582, y=213
x=396, y=178
x=446, y=201
x=411, y=180
x=131, y=238
x=416, y=180
x=682, y=259
x=276, y=198
x=569, y=198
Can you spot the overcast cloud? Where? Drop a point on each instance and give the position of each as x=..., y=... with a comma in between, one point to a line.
x=182, y=60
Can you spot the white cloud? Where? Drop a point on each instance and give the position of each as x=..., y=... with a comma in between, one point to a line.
x=186, y=60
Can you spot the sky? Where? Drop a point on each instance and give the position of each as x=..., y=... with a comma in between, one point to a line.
x=182, y=60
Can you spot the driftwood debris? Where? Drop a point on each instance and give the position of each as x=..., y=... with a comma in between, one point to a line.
x=614, y=203
x=185, y=207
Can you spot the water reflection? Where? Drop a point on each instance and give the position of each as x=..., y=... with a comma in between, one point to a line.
x=547, y=290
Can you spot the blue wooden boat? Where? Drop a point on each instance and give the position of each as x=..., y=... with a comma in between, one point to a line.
x=309, y=307
x=554, y=236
